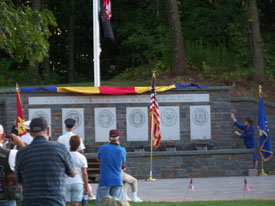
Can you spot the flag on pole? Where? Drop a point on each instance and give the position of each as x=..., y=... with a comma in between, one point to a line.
x=19, y=125
x=154, y=115
x=265, y=144
x=105, y=15
x=191, y=186
x=245, y=187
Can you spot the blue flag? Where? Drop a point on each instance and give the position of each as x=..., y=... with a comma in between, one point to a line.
x=265, y=145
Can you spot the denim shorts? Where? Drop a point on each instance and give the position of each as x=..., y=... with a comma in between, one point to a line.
x=74, y=192
x=114, y=191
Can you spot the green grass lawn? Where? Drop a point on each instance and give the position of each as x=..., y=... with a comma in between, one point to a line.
x=207, y=203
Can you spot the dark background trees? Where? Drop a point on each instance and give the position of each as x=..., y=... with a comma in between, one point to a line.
x=219, y=42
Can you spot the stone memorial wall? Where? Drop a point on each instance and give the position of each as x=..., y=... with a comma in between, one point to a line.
x=197, y=132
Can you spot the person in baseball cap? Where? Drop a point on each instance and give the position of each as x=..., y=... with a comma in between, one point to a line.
x=112, y=157
x=114, y=135
x=46, y=162
x=38, y=125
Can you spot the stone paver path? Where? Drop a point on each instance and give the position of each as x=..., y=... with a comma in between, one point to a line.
x=214, y=188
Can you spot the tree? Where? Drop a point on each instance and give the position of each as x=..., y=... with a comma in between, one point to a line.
x=71, y=44
x=257, y=42
x=46, y=62
x=179, y=65
x=36, y=6
x=22, y=32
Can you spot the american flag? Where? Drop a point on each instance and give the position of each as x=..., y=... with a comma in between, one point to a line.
x=191, y=186
x=245, y=187
x=154, y=115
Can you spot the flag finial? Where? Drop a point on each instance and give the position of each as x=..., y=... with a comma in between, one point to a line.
x=260, y=89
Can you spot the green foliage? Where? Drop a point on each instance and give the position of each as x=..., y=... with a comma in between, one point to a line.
x=216, y=39
x=23, y=32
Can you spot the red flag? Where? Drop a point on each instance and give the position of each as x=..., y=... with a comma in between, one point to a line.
x=107, y=9
x=105, y=15
x=19, y=125
x=154, y=115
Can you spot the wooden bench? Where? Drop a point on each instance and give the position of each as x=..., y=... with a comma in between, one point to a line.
x=93, y=169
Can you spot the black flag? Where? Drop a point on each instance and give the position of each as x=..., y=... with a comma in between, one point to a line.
x=105, y=15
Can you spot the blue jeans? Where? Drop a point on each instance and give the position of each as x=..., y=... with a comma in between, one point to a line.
x=114, y=191
x=8, y=203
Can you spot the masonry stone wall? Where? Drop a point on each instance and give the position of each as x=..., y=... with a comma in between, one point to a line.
x=183, y=164
x=224, y=155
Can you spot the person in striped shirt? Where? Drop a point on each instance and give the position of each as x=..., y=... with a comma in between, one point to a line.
x=41, y=167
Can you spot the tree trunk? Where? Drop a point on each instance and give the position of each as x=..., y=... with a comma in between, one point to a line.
x=71, y=44
x=257, y=42
x=179, y=65
x=35, y=67
x=46, y=62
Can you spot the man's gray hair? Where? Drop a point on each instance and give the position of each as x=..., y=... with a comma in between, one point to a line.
x=114, y=138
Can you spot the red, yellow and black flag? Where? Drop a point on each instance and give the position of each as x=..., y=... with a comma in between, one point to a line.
x=20, y=127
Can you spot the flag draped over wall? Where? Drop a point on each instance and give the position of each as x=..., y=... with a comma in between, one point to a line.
x=108, y=89
x=20, y=127
x=105, y=16
x=154, y=116
x=265, y=144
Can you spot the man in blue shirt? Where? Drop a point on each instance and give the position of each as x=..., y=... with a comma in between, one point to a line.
x=41, y=168
x=112, y=157
x=247, y=135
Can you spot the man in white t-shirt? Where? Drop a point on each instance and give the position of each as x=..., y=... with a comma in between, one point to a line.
x=27, y=138
x=65, y=139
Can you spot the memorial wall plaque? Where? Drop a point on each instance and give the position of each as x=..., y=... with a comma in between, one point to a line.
x=137, y=123
x=200, y=122
x=170, y=122
x=42, y=112
x=78, y=115
x=117, y=99
x=105, y=120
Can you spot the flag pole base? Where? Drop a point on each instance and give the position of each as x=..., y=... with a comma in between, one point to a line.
x=150, y=179
x=262, y=173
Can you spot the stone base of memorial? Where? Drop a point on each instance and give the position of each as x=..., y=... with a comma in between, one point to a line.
x=185, y=164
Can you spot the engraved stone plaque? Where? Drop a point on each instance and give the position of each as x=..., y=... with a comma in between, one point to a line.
x=200, y=122
x=170, y=122
x=105, y=120
x=137, y=123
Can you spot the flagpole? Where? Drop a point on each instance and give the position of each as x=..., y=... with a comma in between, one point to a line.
x=262, y=173
x=97, y=49
x=151, y=157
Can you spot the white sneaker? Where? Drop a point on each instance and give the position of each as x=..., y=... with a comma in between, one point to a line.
x=91, y=198
x=137, y=199
x=127, y=198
